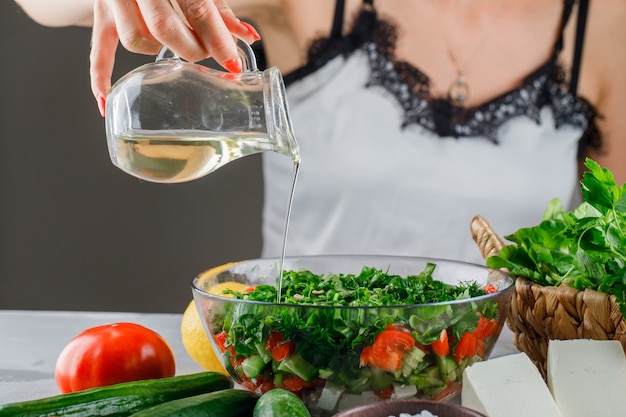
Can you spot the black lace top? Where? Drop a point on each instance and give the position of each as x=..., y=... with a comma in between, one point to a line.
x=546, y=86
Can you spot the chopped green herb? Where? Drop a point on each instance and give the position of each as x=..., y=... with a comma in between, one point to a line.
x=371, y=287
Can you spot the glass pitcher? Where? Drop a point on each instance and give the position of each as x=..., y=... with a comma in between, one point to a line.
x=173, y=121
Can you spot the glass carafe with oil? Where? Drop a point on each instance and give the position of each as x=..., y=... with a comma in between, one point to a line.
x=173, y=121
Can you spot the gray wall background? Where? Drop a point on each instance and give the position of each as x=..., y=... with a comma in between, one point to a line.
x=76, y=233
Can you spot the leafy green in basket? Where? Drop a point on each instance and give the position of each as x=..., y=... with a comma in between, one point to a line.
x=583, y=248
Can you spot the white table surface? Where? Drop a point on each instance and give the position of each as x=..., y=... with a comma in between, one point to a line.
x=30, y=342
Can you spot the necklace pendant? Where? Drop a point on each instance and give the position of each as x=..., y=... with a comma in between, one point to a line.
x=459, y=90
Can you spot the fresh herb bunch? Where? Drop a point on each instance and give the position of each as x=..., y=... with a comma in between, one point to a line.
x=371, y=287
x=585, y=248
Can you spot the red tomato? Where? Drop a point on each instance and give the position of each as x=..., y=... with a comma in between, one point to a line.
x=280, y=348
x=467, y=347
x=113, y=353
x=385, y=393
x=220, y=340
x=387, y=350
x=295, y=384
x=485, y=328
x=490, y=289
x=441, y=346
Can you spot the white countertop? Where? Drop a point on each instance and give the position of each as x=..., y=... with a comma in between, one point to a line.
x=30, y=342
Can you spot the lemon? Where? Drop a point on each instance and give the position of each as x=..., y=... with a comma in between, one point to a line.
x=195, y=339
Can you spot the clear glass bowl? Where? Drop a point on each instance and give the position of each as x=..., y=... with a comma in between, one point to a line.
x=325, y=354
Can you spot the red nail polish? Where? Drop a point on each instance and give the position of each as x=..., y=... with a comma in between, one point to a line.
x=251, y=30
x=101, y=104
x=233, y=65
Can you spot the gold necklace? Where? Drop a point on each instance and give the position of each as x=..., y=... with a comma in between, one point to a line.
x=460, y=91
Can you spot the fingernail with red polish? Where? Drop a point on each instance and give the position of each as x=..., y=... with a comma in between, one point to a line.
x=233, y=65
x=101, y=104
x=251, y=30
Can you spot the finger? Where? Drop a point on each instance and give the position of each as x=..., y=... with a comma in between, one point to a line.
x=102, y=55
x=242, y=29
x=132, y=30
x=208, y=22
x=170, y=29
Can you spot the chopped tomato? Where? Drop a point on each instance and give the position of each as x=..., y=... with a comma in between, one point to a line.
x=441, y=346
x=466, y=347
x=387, y=360
x=279, y=348
x=385, y=393
x=400, y=327
x=282, y=351
x=485, y=328
x=220, y=341
x=480, y=347
x=258, y=385
x=490, y=289
x=387, y=350
x=295, y=384
x=395, y=339
x=274, y=339
x=266, y=386
x=248, y=289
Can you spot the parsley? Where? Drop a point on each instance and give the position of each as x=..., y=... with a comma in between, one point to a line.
x=371, y=287
x=584, y=248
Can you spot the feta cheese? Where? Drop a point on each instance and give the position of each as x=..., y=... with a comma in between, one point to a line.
x=330, y=396
x=424, y=413
x=587, y=377
x=508, y=386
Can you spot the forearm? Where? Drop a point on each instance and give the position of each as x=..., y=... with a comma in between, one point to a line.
x=59, y=12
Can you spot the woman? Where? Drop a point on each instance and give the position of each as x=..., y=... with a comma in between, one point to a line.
x=412, y=116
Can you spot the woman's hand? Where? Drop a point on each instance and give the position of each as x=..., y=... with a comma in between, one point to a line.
x=193, y=29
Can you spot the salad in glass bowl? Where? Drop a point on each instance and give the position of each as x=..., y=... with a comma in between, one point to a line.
x=348, y=330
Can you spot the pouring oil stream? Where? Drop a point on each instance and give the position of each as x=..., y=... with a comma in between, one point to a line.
x=296, y=168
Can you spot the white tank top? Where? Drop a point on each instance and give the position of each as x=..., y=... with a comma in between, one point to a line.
x=376, y=179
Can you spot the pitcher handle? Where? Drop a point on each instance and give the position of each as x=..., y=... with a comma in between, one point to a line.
x=246, y=54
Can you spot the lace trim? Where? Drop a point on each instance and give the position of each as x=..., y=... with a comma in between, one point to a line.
x=547, y=86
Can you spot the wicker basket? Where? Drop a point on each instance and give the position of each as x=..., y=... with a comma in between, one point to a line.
x=539, y=313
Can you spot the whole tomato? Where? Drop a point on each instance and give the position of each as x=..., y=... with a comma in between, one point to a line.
x=113, y=353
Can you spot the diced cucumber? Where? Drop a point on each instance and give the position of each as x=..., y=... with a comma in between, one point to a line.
x=278, y=380
x=354, y=382
x=264, y=353
x=427, y=379
x=447, y=367
x=410, y=361
x=253, y=365
x=379, y=379
x=325, y=373
x=297, y=365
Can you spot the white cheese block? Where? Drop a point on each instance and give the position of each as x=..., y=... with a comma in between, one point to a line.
x=508, y=386
x=587, y=377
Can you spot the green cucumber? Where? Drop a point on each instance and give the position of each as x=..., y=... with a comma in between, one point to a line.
x=280, y=403
x=447, y=367
x=119, y=400
x=299, y=366
x=224, y=403
x=253, y=365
